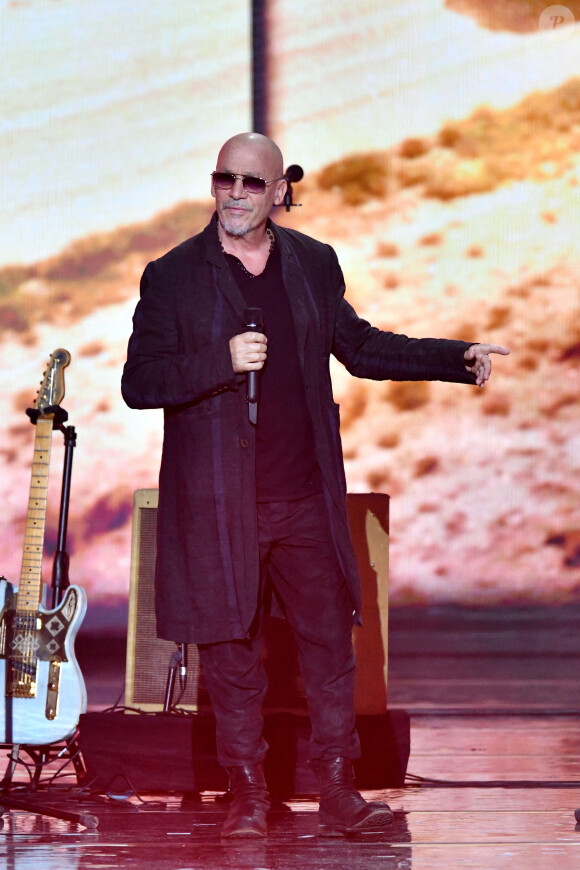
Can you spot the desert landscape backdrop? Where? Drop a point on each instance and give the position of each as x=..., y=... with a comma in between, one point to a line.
x=441, y=149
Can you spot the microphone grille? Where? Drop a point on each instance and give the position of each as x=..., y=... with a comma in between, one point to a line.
x=253, y=317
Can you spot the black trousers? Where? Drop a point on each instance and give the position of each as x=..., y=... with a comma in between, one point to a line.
x=297, y=553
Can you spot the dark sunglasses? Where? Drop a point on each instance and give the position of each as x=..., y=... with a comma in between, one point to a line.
x=251, y=184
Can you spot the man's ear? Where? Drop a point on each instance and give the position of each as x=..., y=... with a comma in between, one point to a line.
x=280, y=191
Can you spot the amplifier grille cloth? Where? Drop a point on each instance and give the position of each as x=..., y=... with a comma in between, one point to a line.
x=148, y=657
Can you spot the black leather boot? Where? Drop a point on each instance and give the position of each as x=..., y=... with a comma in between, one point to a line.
x=342, y=809
x=250, y=804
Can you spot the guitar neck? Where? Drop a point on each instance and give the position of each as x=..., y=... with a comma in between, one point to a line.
x=30, y=588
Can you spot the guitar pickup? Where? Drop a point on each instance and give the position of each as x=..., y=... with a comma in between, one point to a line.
x=26, y=622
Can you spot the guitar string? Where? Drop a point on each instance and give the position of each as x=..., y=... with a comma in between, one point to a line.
x=27, y=630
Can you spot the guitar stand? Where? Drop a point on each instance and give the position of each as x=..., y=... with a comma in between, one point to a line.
x=43, y=755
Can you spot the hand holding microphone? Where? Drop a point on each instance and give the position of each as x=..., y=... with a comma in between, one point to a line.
x=248, y=351
x=253, y=323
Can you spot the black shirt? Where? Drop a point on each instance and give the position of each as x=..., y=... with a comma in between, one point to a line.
x=286, y=466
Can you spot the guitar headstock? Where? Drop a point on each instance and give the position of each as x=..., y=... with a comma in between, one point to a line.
x=51, y=391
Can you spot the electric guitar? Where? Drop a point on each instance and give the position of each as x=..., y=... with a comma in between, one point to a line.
x=41, y=683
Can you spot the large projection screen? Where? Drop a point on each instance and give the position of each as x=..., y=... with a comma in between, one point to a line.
x=440, y=143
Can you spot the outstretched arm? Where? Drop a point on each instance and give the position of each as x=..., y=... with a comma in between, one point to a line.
x=478, y=361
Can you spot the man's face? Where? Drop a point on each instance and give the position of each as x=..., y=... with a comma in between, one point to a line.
x=240, y=212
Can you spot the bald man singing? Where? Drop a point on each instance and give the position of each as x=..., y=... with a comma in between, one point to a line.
x=232, y=337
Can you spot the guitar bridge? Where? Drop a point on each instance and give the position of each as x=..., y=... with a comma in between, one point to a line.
x=21, y=680
x=22, y=646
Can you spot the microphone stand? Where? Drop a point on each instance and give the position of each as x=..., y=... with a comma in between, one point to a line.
x=293, y=173
x=178, y=661
x=288, y=204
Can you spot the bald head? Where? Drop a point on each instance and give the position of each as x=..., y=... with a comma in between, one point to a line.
x=255, y=148
x=243, y=213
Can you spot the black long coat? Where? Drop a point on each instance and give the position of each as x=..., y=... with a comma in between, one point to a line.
x=207, y=572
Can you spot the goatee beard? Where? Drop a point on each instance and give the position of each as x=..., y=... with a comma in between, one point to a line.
x=232, y=229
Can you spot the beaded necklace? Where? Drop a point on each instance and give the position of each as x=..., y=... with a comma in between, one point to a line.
x=239, y=262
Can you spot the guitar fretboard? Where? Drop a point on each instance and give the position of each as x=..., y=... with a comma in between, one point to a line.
x=30, y=588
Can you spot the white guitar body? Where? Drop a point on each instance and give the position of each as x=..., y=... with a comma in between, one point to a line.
x=44, y=707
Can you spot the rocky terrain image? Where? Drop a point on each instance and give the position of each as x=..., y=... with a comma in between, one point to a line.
x=466, y=229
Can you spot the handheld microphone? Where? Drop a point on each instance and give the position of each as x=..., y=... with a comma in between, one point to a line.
x=253, y=323
x=183, y=666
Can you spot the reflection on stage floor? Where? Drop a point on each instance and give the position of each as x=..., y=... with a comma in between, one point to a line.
x=493, y=779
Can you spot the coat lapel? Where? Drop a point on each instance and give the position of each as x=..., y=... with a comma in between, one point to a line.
x=224, y=280
x=298, y=294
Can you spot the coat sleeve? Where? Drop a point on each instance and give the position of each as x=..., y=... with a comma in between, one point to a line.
x=369, y=352
x=162, y=368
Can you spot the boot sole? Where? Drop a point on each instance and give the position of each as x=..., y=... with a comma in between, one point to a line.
x=376, y=821
x=244, y=834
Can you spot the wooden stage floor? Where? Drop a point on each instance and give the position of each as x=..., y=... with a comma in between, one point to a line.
x=493, y=779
